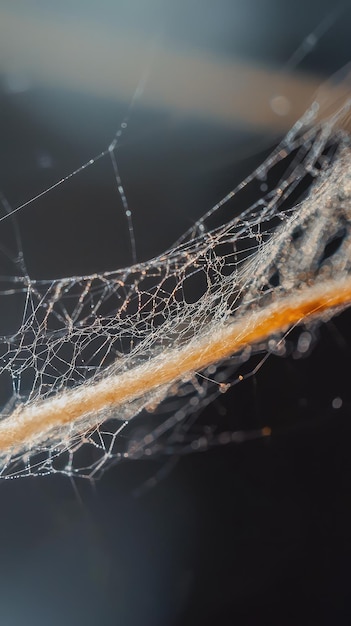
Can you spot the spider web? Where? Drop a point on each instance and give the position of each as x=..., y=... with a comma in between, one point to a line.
x=76, y=333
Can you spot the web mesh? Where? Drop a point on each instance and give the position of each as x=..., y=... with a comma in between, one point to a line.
x=149, y=330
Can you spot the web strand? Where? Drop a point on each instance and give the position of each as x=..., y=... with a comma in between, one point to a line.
x=92, y=352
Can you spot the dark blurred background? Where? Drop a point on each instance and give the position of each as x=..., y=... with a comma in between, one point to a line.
x=257, y=533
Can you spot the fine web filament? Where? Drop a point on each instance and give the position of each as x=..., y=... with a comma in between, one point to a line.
x=99, y=349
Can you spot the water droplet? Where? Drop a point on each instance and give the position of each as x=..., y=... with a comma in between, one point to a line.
x=337, y=403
